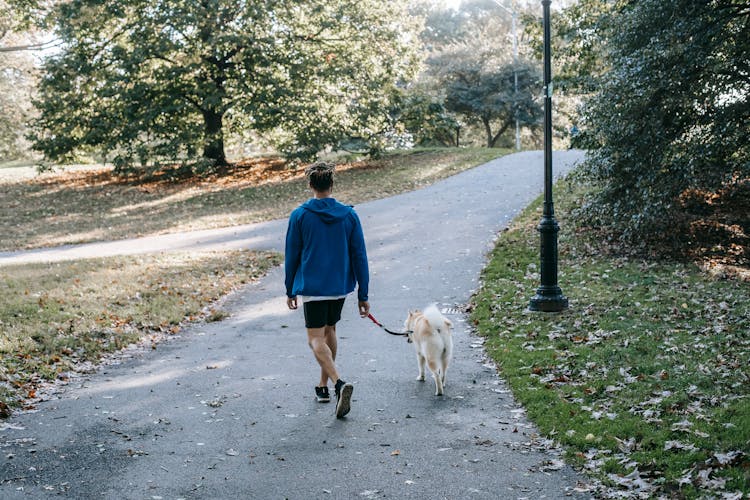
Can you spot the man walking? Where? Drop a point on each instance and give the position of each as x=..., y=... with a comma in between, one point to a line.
x=325, y=258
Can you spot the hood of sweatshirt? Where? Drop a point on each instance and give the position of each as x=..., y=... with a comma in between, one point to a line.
x=328, y=209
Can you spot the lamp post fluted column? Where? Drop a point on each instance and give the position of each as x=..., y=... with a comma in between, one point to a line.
x=549, y=296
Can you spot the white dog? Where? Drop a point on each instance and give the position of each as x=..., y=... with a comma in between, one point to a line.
x=431, y=333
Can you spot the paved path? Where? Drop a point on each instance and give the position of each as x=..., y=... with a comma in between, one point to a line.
x=227, y=410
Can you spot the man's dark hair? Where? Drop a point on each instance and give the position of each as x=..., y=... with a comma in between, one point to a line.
x=320, y=175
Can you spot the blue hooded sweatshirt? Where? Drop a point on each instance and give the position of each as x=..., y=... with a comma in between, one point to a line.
x=325, y=251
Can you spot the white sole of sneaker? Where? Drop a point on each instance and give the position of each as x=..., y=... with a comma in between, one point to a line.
x=343, y=405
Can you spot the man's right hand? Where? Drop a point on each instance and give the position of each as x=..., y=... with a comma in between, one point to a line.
x=291, y=302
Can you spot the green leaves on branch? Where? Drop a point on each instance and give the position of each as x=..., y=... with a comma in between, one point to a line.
x=669, y=120
x=168, y=79
x=476, y=72
x=580, y=38
x=484, y=91
x=427, y=120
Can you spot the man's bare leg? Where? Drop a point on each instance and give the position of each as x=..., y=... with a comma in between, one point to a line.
x=317, y=338
x=330, y=336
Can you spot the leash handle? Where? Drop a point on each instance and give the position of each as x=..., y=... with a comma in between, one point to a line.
x=369, y=315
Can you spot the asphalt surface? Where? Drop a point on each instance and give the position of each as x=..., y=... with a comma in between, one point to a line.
x=227, y=410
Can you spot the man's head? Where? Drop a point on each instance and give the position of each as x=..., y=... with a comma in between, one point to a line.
x=320, y=175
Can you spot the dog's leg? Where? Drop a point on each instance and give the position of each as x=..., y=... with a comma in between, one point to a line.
x=446, y=359
x=435, y=369
x=420, y=363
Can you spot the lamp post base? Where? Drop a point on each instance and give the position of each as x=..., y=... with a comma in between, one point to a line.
x=548, y=300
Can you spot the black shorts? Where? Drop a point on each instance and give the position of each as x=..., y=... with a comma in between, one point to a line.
x=320, y=313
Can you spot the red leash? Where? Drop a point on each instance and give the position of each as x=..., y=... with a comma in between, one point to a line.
x=401, y=334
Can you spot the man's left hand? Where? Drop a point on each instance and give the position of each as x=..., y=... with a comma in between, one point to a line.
x=364, y=308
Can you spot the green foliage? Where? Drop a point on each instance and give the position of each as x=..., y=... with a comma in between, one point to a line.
x=481, y=90
x=471, y=69
x=16, y=15
x=579, y=39
x=443, y=26
x=17, y=74
x=579, y=43
x=15, y=87
x=144, y=81
x=670, y=116
x=427, y=120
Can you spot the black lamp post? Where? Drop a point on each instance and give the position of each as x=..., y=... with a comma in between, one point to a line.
x=549, y=296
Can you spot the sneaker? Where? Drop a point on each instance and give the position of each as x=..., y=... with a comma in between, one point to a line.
x=322, y=394
x=343, y=398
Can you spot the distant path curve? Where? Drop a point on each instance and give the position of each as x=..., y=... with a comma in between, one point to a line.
x=477, y=184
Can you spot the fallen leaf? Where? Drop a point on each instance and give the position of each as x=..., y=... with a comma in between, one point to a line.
x=677, y=445
x=553, y=464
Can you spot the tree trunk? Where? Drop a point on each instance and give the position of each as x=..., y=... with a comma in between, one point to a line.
x=499, y=133
x=492, y=139
x=213, y=143
x=488, y=131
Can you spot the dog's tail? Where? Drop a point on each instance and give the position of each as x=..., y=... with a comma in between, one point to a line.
x=437, y=321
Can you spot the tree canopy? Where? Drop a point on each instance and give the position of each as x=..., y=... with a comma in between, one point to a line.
x=426, y=119
x=165, y=79
x=669, y=119
x=580, y=40
x=480, y=88
x=471, y=66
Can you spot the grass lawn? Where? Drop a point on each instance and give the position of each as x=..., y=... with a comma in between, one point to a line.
x=645, y=379
x=61, y=317
x=89, y=204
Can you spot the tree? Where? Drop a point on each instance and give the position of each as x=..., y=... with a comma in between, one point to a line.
x=480, y=88
x=671, y=116
x=580, y=37
x=427, y=119
x=471, y=69
x=163, y=79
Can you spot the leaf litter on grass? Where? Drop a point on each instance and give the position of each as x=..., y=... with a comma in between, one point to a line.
x=646, y=377
x=58, y=320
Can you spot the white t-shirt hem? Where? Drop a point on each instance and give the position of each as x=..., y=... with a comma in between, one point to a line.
x=313, y=298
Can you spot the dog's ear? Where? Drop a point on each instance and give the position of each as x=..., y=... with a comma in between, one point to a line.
x=448, y=323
